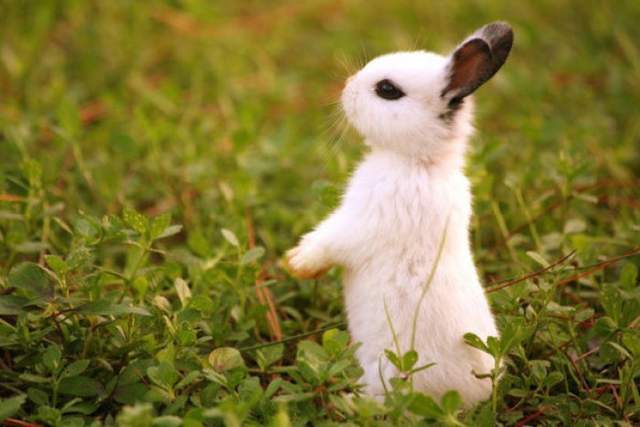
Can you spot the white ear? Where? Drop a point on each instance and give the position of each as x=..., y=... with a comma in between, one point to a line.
x=477, y=59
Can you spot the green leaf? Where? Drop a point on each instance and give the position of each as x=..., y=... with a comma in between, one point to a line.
x=31, y=278
x=38, y=379
x=267, y=356
x=80, y=386
x=139, y=415
x=167, y=421
x=130, y=393
x=188, y=379
x=631, y=341
x=512, y=334
x=553, y=378
x=159, y=224
x=86, y=228
x=409, y=359
x=425, y=406
x=335, y=341
x=79, y=257
x=38, y=396
x=612, y=303
x=158, y=394
x=623, y=351
x=252, y=255
x=75, y=368
x=584, y=314
x=474, y=341
x=57, y=264
x=225, y=358
x=273, y=387
x=135, y=220
x=451, y=402
x=77, y=406
x=537, y=258
x=169, y=231
x=485, y=417
x=538, y=369
x=310, y=373
x=31, y=247
x=10, y=407
x=51, y=416
x=164, y=375
x=294, y=397
x=11, y=305
x=183, y=291
x=494, y=346
x=167, y=354
x=141, y=285
x=518, y=392
x=250, y=391
x=312, y=353
x=574, y=225
x=51, y=358
x=339, y=366
x=629, y=276
x=230, y=237
x=199, y=244
x=108, y=308
x=393, y=358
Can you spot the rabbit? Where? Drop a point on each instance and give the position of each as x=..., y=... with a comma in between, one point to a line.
x=406, y=212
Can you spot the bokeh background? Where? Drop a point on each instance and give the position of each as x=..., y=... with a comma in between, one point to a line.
x=223, y=114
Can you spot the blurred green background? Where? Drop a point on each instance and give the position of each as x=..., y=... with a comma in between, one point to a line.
x=147, y=102
x=157, y=104
x=223, y=114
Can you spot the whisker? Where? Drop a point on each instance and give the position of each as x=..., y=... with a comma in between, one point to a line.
x=335, y=123
x=336, y=128
x=331, y=103
x=343, y=128
x=363, y=55
x=345, y=64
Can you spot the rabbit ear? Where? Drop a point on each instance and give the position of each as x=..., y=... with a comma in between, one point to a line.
x=477, y=59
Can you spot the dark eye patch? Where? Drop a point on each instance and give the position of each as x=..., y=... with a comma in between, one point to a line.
x=386, y=89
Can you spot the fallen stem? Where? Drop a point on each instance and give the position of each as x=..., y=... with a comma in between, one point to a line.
x=294, y=337
x=531, y=275
x=597, y=267
x=588, y=270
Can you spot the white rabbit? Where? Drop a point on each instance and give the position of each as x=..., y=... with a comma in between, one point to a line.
x=414, y=112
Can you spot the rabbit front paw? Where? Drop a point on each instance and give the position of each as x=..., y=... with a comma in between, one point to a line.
x=306, y=261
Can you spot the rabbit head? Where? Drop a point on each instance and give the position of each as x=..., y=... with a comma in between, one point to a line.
x=417, y=103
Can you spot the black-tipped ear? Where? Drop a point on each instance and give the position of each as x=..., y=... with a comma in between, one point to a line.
x=477, y=59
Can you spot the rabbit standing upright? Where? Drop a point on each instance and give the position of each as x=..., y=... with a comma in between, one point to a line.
x=414, y=111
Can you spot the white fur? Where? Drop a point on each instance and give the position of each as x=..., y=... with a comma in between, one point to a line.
x=387, y=230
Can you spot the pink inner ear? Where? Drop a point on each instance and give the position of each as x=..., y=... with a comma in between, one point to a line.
x=469, y=67
x=466, y=69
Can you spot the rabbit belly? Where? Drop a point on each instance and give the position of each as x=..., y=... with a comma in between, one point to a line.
x=390, y=262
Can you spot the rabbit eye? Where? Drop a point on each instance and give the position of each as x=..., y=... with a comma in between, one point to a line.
x=387, y=90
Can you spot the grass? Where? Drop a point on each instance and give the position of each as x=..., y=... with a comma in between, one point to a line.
x=157, y=158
